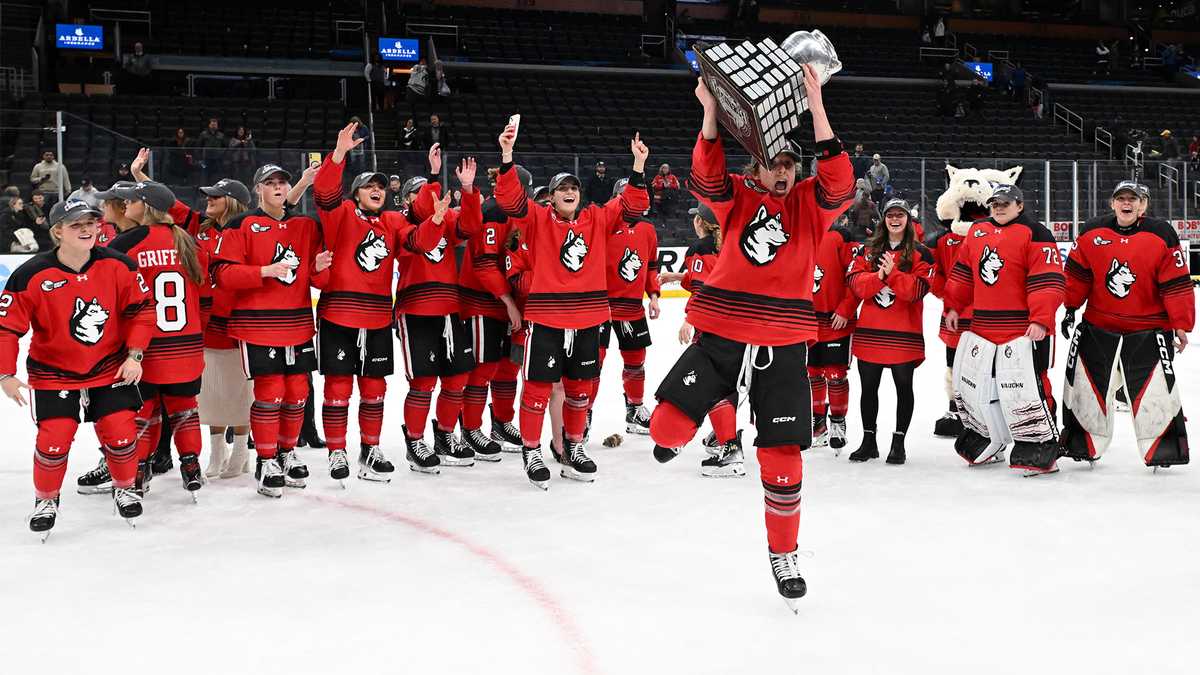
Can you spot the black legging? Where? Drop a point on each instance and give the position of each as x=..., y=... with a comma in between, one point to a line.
x=902, y=376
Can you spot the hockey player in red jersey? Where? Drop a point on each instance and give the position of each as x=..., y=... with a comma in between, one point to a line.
x=166, y=258
x=1009, y=271
x=355, y=310
x=1133, y=275
x=433, y=337
x=891, y=275
x=632, y=273
x=723, y=443
x=829, y=359
x=266, y=257
x=89, y=312
x=944, y=246
x=755, y=313
x=568, y=300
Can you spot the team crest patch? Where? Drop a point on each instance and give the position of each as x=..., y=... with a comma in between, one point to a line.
x=371, y=252
x=288, y=257
x=1119, y=279
x=753, y=185
x=885, y=298
x=818, y=275
x=87, y=321
x=573, y=251
x=1100, y=241
x=439, y=252
x=630, y=265
x=990, y=264
x=763, y=236
x=48, y=285
x=255, y=227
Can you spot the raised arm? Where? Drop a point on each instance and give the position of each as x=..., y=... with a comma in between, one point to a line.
x=137, y=168
x=510, y=194
x=633, y=200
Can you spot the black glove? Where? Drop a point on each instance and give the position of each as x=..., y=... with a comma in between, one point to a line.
x=1068, y=323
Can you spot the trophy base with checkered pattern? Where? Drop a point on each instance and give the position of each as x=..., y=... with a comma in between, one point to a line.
x=759, y=91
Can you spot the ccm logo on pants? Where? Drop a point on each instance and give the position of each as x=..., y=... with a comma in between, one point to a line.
x=779, y=420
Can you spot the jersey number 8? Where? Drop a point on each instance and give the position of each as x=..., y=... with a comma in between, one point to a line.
x=170, y=309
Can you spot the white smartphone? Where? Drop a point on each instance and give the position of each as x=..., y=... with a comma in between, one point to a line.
x=515, y=122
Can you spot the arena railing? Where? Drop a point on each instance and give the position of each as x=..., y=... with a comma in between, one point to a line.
x=1073, y=120
x=1103, y=137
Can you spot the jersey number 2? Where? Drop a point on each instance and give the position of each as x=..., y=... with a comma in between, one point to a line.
x=170, y=310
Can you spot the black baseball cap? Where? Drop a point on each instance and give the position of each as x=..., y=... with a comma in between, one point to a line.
x=1127, y=186
x=413, y=184
x=560, y=178
x=364, y=178
x=122, y=189
x=267, y=170
x=1006, y=193
x=156, y=195
x=228, y=187
x=70, y=210
x=706, y=214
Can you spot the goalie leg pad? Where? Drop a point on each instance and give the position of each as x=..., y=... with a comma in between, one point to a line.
x=1023, y=404
x=1147, y=366
x=1090, y=385
x=975, y=396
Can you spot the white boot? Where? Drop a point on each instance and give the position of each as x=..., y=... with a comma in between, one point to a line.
x=239, y=459
x=218, y=455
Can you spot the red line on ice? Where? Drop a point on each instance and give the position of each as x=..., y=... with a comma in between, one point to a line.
x=560, y=617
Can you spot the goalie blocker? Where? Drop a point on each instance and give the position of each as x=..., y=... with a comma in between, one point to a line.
x=1099, y=363
x=998, y=390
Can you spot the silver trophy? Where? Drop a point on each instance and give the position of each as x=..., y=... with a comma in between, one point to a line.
x=759, y=87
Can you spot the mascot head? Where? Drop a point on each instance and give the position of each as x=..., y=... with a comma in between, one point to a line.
x=965, y=199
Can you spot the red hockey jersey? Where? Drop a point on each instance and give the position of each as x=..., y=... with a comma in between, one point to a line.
x=83, y=322
x=428, y=284
x=945, y=253
x=481, y=279
x=176, y=351
x=761, y=291
x=698, y=262
x=268, y=312
x=356, y=290
x=108, y=232
x=632, y=269
x=889, y=329
x=830, y=295
x=1011, y=275
x=568, y=258
x=1145, y=284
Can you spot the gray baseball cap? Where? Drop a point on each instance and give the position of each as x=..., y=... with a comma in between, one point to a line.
x=267, y=170
x=362, y=179
x=619, y=186
x=122, y=189
x=896, y=203
x=706, y=214
x=1006, y=193
x=228, y=187
x=560, y=178
x=413, y=184
x=70, y=210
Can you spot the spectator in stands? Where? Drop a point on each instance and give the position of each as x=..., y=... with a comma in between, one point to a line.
x=138, y=66
x=49, y=176
x=8, y=193
x=1169, y=145
x=178, y=162
x=665, y=191
x=864, y=212
x=10, y=222
x=878, y=177
x=860, y=161
x=436, y=133
x=1017, y=82
x=408, y=135
x=378, y=78
x=34, y=217
x=212, y=144
x=939, y=32
x=87, y=192
x=1103, y=59
x=395, y=198
x=122, y=173
x=1194, y=153
x=443, y=87
x=241, y=153
x=599, y=185
x=418, y=84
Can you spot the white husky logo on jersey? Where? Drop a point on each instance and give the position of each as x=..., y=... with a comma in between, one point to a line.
x=885, y=298
x=763, y=236
x=87, y=321
x=439, y=252
x=573, y=250
x=818, y=275
x=371, y=252
x=1100, y=241
x=288, y=257
x=631, y=264
x=689, y=379
x=1119, y=279
x=989, y=266
x=341, y=355
x=48, y=285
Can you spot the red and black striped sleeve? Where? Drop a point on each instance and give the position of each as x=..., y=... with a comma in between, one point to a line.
x=1044, y=283
x=1175, y=286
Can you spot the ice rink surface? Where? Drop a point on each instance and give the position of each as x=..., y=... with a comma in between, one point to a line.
x=931, y=567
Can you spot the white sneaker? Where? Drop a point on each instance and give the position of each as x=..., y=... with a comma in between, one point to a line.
x=218, y=455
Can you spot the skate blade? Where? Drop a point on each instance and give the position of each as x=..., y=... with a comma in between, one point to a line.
x=492, y=457
x=45, y=535
x=637, y=429
x=274, y=493
x=793, y=604
x=575, y=475
x=505, y=447
x=1034, y=473
x=295, y=483
x=544, y=485
x=820, y=442
x=431, y=470
x=374, y=477
x=732, y=471
x=195, y=499
x=447, y=460
x=994, y=459
x=95, y=489
x=132, y=525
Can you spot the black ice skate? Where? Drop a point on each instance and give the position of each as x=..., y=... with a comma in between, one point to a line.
x=837, y=434
x=161, y=462
x=711, y=445
x=896, y=455
x=535, y=468
x=449, y=449
x=576, y=463
x=820, y=432
x=97, y=481
x=949, y=426
x=127, y=503
x=421, y=458
x=637, y=419
x=294, y=470
x=867, y=450
x=373, y=465
x=729, y=462
x=41, y=521
x=193, y=477
x=506, y=435
x=270, y=478
x=664, y=454
x=485, y=449
x=786, y=569
x=141, y=481
x=339, y=466
x=1035, y=459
